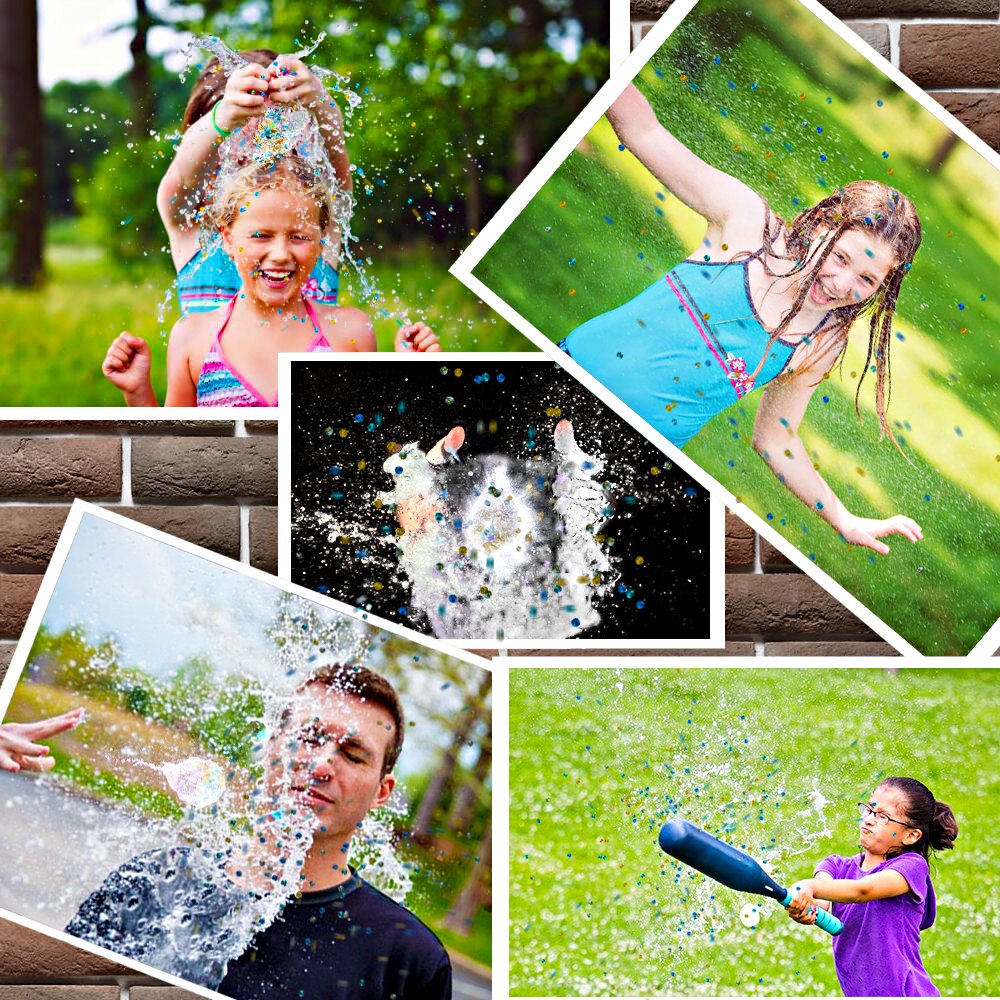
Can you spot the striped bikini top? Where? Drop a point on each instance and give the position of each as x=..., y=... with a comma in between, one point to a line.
x=209, y=280
x=220, y=382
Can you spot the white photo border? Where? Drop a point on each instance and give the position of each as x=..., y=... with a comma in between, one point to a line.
x=716, y=638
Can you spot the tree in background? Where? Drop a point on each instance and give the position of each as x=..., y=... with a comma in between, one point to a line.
x=22, y=208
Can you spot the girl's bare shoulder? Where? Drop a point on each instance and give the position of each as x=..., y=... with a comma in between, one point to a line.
x=347, y=328
x=193, y=333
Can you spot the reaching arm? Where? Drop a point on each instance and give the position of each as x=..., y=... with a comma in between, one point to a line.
x=776, y=440
x=181, y=389
x=720, y=198
x=197, y=157
x=823, y=889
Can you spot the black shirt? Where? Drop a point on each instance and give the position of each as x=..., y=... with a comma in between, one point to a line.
x=177, y=911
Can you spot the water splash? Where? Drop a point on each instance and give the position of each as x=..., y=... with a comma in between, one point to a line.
x=498, y=548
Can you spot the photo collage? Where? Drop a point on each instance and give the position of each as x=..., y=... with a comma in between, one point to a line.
x=576, y=414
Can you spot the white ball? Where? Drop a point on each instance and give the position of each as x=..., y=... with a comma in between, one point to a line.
x=750, y=915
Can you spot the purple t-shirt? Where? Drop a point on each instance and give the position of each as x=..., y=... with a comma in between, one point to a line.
x=877, y=954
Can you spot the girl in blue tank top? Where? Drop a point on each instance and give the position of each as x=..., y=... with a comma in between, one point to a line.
x=218, y=106
x=763, y=303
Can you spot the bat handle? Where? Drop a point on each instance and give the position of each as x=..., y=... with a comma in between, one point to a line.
x=825, y=920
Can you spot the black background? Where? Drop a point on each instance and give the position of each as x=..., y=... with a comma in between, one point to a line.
x=667, y=524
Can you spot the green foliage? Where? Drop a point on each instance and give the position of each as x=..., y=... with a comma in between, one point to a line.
x=118, y=202
x=222, y=714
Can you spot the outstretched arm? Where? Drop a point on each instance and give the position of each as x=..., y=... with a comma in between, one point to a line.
x=822, y=889
x=720, y=198
x=776, y=439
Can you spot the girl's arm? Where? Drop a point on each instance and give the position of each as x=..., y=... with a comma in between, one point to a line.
x=291, y=81
x=181, y=389
x=127, y=367
x=197, y=158
x=722, y=199
x=776, y=440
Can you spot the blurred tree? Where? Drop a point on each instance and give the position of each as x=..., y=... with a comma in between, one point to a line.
x=443, y=777
x=140, y=78
x=473, y=789
x=22, y=206
x=476, y=890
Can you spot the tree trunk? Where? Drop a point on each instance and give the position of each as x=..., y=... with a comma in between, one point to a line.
x=461, y=915
x=943, y=151
x=443, y=776
x=22, y=200
x=464, y=806
x=140, y=78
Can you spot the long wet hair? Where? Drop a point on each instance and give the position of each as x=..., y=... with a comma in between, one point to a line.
x=934, y=819
x=211, y=84
x=870, y=207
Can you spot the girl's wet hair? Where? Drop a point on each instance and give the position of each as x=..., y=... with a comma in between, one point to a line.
x=934, y=819
x=290, y=173
x=211, y=84
x=869, y=207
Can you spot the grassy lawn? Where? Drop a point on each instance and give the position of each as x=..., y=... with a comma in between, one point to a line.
x=793, y=123
x=774, y=761
x=54, y=338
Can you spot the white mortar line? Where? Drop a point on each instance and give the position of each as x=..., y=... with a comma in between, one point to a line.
x=758, y=649
x=758, y=566
x=240, y=429
x=244, y=534
x=123, y=993
x=127, y=500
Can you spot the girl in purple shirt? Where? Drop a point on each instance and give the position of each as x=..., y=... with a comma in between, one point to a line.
x=878, y=952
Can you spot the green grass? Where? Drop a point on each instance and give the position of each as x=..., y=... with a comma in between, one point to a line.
x=600, y=759
x=602, y=229
x=55, y=337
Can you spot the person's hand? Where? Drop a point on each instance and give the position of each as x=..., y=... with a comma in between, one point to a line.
x=866, y=531
x=20, y=752
x=414, y=512
x=127, y=364
x=244, y=96
x=290, y=81
x=417, y=337
x=802, y=908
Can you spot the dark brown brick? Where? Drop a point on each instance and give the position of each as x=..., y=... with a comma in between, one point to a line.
x=261, y=426
x=25, y=953
x=264, y=538
x=867, y=8
x=29, y=534
x=89, y=467
x=913, y=8
x=731, y=649
x=109, y=992
x=6, y=652
x=980, y=112
x=739, y=543
x=119, y=427
x=210, y=526
x=17, y=593
x=950, y=55
x=876, y=35
x=829, y=649
x=772, y=560
x=182, y=468
x=786, y=605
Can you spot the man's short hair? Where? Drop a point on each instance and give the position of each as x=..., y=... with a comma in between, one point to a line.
x=360, y=682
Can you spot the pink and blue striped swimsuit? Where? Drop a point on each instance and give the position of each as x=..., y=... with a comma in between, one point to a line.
x=221, y=384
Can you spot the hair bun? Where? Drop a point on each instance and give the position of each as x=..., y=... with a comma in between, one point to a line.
x=944, y=827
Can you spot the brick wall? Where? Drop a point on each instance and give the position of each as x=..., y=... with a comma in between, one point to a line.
x=35, y=967
x=212, y=483
x=951, y=48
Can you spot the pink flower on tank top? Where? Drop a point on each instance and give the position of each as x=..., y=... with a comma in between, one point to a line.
x=738, y=374
x=310, y=290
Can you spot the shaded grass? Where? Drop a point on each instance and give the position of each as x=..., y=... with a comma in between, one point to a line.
x=600, y=759
x=55, y=337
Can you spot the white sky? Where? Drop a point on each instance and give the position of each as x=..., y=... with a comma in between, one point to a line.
x=74, y=44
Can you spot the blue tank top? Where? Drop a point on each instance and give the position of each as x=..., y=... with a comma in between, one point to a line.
x=208, y=281
x=684, y=349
